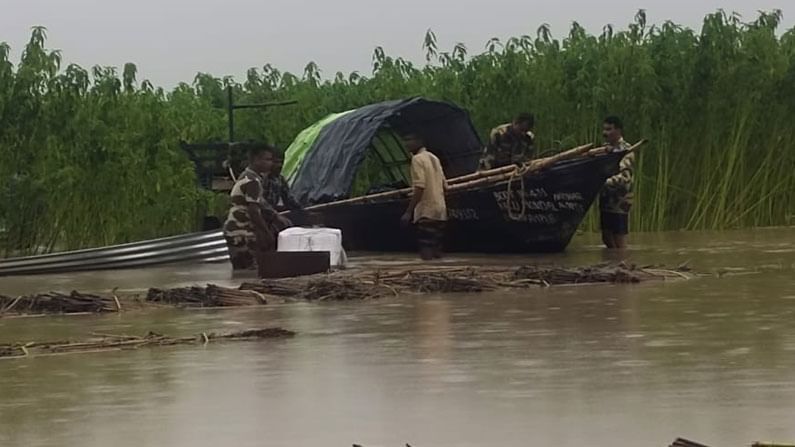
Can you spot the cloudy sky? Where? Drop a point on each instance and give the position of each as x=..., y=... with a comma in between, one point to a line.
x=172, y=40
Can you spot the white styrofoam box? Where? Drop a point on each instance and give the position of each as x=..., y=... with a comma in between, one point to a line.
x=314, y=239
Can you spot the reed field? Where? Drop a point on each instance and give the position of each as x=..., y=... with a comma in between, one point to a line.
x=90, y=157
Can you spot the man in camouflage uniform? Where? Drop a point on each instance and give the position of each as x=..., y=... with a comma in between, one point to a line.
x=251, y=226
x=510, y=143
x=615, y=199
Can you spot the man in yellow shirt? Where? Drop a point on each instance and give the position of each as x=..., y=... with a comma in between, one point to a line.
x=427, y=208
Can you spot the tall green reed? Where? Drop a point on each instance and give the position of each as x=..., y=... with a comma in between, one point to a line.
x=90, y=157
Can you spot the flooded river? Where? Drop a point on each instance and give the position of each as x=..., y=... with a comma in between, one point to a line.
x=711, y=359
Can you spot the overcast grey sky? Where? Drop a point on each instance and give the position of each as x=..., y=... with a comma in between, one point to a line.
x=171, y=40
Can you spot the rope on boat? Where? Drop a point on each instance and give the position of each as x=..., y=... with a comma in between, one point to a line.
x=543, y=163
x=517, y=172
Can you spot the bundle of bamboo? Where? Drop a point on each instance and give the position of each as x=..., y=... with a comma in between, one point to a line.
x=355, y=284
x=371, y=284
x=56, y=302
x=111, y=342
x=587, y=275
x=210, y=296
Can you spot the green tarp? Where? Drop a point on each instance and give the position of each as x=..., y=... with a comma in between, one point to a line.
x=298, y=149
x=356, y=152
x=386, y=163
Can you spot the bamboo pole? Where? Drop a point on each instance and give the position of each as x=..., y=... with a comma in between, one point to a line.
x=10, y=306
x=484, y=181
x=543, y=163
x=506, y=169
x=473, y=179
x=528, y=168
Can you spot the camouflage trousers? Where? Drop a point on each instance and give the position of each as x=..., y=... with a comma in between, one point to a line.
x=246, y=251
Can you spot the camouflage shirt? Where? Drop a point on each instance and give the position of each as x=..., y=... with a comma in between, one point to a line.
x=247, y=190
x=506, y=147
x=278, y=194
x=616, y=196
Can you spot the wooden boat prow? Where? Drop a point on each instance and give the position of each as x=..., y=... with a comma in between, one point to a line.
x=532, y=211
x=535, y=207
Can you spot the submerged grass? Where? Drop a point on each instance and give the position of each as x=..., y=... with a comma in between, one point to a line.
x=91, y=157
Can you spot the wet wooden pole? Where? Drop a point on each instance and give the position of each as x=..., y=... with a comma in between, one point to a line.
x=470, y=180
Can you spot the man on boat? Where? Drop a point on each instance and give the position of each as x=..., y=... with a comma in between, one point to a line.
x=252, y=224
x=511, y=143
x=277, y=191
x=427, y=208
x=615, y=199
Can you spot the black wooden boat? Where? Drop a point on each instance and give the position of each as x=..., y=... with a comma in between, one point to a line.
x=540, y=216
x=538, y=213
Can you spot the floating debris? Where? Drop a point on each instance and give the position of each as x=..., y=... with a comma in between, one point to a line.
x=112, y=342
x=210, y=296
x=586, y=275
x=370, y=284
x=682, y=442
x=56, y=302
x=355, y=284
x=359, y=445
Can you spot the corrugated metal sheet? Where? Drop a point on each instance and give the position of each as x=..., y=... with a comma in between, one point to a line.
x=196, y=247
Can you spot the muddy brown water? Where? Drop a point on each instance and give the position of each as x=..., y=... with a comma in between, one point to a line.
x=711, y=359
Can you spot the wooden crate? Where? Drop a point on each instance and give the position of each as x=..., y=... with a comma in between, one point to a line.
x=286, y=264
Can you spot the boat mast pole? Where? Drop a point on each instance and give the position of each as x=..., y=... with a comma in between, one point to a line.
x=231, y=107
x=230, y=110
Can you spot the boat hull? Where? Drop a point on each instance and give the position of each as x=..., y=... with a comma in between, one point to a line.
x=539, y=213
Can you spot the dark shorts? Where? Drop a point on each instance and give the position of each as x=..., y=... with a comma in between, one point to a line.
x=430, y=234
x=615, y=223
x=245, y=252
x=242, y=252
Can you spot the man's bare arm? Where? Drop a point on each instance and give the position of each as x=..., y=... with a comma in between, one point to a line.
x=415, y=199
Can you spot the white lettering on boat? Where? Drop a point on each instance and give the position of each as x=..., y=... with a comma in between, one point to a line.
x=462, y=214
x=536, y=193
x=571, y=206
x=533, y=218
x=539, y=205
x=568, y=196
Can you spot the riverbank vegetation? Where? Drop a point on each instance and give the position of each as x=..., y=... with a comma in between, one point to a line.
x=91, y=157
